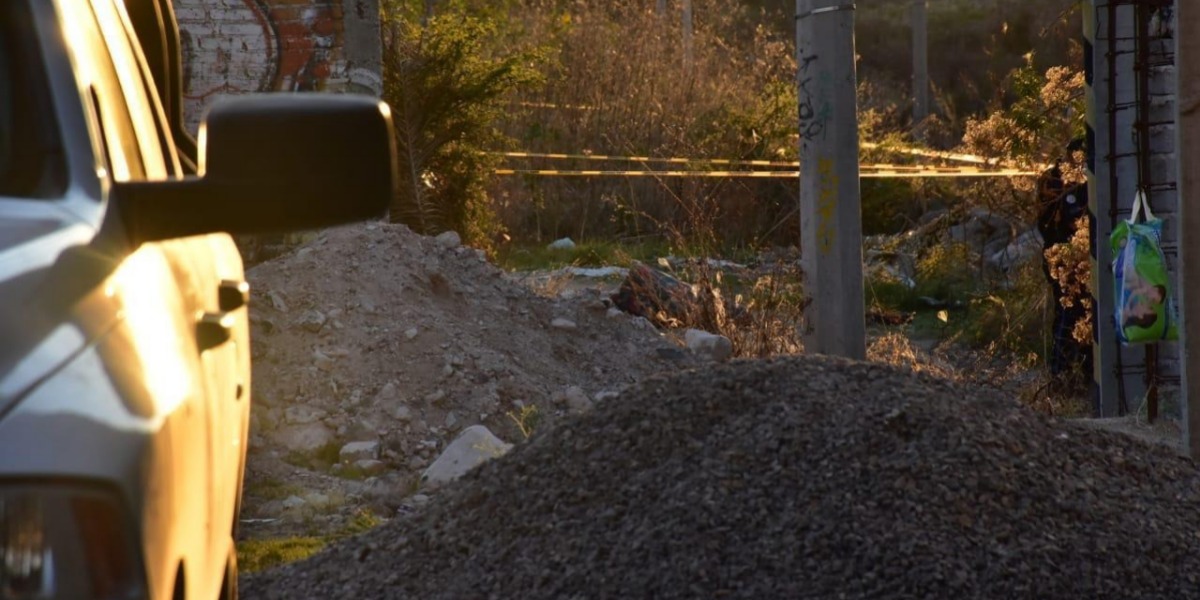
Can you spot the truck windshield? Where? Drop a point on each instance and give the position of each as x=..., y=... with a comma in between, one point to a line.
x=31, y=157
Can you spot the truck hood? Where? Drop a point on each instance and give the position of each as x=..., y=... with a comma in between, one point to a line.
x=44, y=271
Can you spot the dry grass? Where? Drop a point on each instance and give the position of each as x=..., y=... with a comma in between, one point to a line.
x=895, y=348
x=618, y=84
x=1059, y=397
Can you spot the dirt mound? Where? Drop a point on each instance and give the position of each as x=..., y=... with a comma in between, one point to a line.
x=792, y=478
x=373, y=333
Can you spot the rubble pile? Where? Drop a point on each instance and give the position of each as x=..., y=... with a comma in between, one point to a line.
x=792, y=478
x=374, y=347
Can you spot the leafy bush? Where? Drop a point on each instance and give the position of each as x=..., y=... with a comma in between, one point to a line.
x=947, y=272
x=446, y=93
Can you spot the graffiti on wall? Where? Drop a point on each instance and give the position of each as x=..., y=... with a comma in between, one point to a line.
x=243, y=46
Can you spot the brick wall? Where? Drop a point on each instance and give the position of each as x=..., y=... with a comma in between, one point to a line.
x=243, y=46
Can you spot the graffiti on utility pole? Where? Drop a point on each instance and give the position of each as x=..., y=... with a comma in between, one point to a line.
x=830, y=219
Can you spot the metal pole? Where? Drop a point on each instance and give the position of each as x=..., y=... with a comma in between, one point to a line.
x=830, y=213
x=1187, y=60
x=920, y=56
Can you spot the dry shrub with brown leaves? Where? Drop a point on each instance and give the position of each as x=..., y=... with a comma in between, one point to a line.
x=1071, y=265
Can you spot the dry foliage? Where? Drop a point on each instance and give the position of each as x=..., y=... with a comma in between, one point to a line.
x=619, y=84
x=895, y=348
x=1071, y=266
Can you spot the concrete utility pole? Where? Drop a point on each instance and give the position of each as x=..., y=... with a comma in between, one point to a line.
x=1187, y=60
x=428, y=14
x=830, y=207
x=920, y=56
x=688, y=55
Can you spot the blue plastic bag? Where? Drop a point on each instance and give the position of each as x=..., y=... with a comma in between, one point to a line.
x=1144, y=308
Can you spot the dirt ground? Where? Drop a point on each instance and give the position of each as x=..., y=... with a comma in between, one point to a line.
x=372, y=334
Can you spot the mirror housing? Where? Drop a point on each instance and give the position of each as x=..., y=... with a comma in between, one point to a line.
x=273, y=163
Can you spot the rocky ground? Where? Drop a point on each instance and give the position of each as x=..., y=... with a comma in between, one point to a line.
x=374, y=347
x=378, y=352
x=790, y=478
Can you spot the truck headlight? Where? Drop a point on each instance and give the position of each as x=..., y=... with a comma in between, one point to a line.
x=59, y=542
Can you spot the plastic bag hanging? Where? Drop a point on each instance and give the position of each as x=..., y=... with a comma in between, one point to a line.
x=1144, y=307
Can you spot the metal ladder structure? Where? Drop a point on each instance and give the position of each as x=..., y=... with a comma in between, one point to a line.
x=1130, y=74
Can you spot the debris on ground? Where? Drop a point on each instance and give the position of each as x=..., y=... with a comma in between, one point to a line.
x=804, y=477
x=561, y=244
x=372, y=333
x=655, y=295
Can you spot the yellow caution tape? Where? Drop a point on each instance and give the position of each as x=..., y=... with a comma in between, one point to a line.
x=948, y=156
x=651, y=159
x=866, y=171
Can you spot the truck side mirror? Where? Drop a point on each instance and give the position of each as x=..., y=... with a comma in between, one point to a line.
x=272, y=163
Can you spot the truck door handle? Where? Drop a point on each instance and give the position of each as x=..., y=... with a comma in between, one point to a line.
x=232, y=295
x=213, y=329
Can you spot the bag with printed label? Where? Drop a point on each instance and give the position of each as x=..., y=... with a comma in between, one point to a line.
x=1144, y=309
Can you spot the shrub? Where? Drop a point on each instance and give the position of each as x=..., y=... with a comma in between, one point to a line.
x=446, y=94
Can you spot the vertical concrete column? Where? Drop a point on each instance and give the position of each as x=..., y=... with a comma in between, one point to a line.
x=1187, y=59
x=830, y=206
x=364, y=46
x=920, y=56
x=687, y=15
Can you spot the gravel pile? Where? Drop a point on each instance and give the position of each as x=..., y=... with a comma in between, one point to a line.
x=791, y=478
x=370, y=332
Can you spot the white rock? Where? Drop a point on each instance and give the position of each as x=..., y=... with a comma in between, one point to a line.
x=411, y=333
x=717, y=347
x=312, y=321
x=606, y=395
x=577, y=399
x=387, y=395
x=564, y=324
x=293, y=502
x=449, y=239
x=301, y=414
x=303, y=438
x=420, y=499
x=322, y=361
x=318, y=499
x=642, y=323
x=599, y=272
x=370, y=466
x=562, y=244
x=402, y=413
x=277, y=301
x=614, y=312
x=474, y=446
x=355, y=451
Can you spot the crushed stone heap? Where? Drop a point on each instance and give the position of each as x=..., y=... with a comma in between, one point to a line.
x=371, y=331
x=792, y=478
